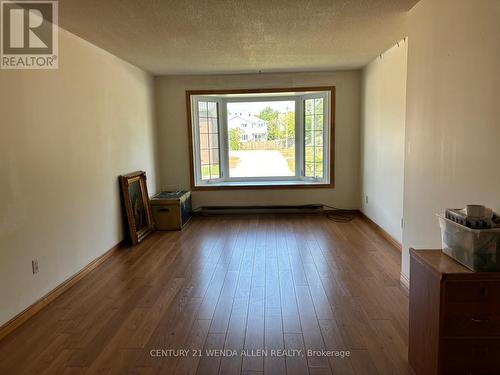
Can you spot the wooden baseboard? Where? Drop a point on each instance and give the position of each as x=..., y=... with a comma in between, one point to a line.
x=382, y=232
x=23, y=316
x=405, y=282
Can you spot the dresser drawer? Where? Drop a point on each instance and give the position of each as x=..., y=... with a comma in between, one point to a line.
x=470, y=356
x=454, y=317
x=471, y=319
x=472, y=291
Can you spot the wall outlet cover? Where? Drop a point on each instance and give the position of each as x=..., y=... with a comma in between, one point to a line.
x=34, y=266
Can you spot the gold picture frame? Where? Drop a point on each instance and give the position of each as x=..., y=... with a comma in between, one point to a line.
x=136, y=205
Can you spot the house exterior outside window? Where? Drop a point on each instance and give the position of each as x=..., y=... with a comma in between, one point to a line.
x=251, y=127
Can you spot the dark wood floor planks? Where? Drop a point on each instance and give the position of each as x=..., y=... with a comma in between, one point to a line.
x=232, y=283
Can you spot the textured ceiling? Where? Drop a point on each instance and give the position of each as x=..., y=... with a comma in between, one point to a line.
x=238, y=36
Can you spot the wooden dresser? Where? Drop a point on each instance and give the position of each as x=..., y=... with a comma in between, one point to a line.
x=454, y=317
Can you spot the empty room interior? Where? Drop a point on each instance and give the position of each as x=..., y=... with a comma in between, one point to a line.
x=250, y=187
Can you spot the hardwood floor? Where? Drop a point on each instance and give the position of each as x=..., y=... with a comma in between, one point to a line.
x=240, y=283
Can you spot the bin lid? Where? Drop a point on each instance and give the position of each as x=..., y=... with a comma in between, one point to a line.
x=463, y=227
x=171, y=195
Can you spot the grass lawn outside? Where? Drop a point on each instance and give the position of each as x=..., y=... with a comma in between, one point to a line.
x=311, y=161
x=210, y=171
x=289, y=155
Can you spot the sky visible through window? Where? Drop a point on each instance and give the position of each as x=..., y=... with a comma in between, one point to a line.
x=256, y=107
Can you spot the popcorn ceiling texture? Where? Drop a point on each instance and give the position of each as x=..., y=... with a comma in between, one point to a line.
x=239, y=36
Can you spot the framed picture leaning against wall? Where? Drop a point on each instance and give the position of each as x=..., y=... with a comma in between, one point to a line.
x=136, y=205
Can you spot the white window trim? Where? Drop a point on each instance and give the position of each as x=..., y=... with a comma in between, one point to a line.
x=299, y=178
x=196, y=140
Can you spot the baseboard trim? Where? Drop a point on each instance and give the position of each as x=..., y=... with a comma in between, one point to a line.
x=30, y=311
x=405, y=282
x=382, y=232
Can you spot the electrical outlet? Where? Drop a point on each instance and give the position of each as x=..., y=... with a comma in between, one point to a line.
x=34, y=266
x=366, y=199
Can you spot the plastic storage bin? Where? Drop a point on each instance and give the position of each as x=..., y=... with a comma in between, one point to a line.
x=476, y=249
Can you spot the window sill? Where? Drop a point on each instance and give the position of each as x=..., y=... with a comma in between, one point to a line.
x=252, y=185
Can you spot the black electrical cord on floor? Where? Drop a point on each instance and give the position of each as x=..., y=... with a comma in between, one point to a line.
x=338, y=215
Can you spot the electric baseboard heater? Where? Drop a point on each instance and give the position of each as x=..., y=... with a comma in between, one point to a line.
x=224, y=210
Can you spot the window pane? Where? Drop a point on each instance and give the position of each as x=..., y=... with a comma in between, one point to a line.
x=213, y=126
x=318, y=172
x=309, y=107
x=318, y=155
x=309, y=154
x=214, y=140
x=318, y=106
x=318, y=122
x=318, y=139
x=214, y=171
x=214, y=156
x=309, y=138
x=314, y=139
x=205, y=157
x=203, y=125
x=208, y=139
x=261, y=138
x=202, y=109
x=212, y=109
x=309, y=121
x=205, y=172
x=204, y=141
x=309, y=170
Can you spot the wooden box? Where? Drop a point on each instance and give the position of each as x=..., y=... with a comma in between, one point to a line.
x=171, y=210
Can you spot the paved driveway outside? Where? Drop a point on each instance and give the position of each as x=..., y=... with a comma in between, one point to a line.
x=256, y=163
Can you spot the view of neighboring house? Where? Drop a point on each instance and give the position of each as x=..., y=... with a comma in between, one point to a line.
x=252, y=128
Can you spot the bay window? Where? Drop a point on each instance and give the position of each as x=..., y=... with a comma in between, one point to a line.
x=261, y=138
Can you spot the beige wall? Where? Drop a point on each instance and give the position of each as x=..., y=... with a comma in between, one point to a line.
x=173, y=138
x=383, y=110
x=453, y=114
x=65, y=137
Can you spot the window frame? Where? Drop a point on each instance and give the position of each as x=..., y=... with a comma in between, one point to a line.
x=289, y=182
x=196, y=139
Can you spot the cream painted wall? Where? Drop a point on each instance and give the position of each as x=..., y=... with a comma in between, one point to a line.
x=65, y=137
x=383, y=109
x=173, y=137
x=453, y=114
